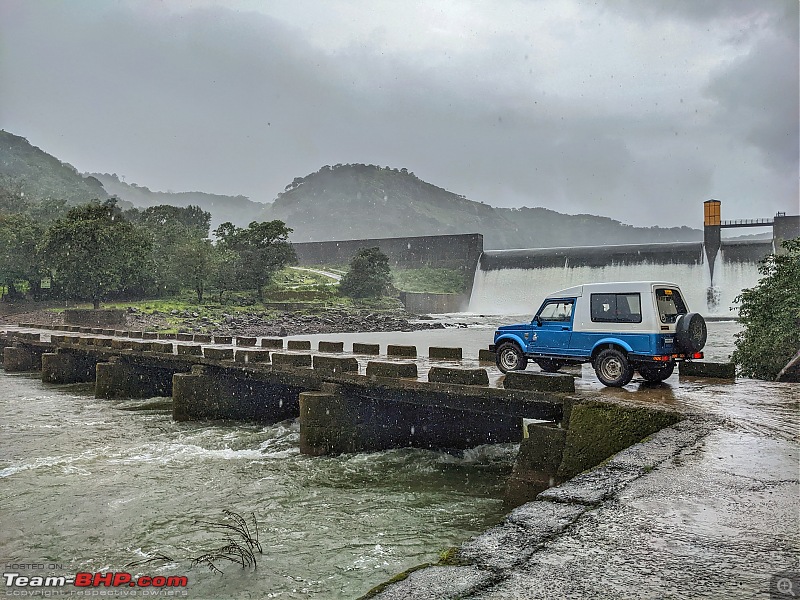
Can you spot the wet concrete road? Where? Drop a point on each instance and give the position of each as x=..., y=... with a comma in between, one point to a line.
x=709, y=508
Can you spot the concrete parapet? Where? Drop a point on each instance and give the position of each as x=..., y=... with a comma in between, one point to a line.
x=136, y=334
x=85, y=329
x=458, y=376
x=150, y=335
x=168, y=336
x=207, y=393
x=245, y=341
x=119, y=379
x=122, y=344
x=58, y=339
x=74, y=328
x=121, y=333
x=223, y=339
x=252, y=356
x=202, y=337
x=103, y=342
x=280, y=360
x=485, y=355
x=164, y=347
x=707, y=369
x=111, y=332
x=543, y=382
x=331, y=346
x=396, y=350
x=298, y=345
x=97, y=330
x=18, y=360
x=189, y=350
x=335, y=364
x=373, y=349
x=538, y=460
x=218, y=353
x=185, y=337
x=445, y=353
x=272, y=343
x=393, y=370
x=67, y=368
x=140, y=346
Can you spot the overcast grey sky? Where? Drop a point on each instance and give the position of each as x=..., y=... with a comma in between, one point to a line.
x=638, y=110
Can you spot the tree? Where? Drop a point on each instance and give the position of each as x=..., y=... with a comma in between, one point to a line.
x=770, y=313
x=19, y=253
x=94, y=252
x=369, y=274
x=197, y=260
x=263, y=249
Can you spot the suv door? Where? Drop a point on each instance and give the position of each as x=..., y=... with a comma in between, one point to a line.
x=552, y=327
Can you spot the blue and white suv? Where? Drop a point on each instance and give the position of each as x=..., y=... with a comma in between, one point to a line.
x=620, y=328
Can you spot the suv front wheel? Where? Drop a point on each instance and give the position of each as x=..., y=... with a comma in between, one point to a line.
x=612, y=368
x=510, y=358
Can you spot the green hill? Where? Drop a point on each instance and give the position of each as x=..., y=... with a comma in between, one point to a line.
x=30, y=176
x=361, y=201
x=239, y=210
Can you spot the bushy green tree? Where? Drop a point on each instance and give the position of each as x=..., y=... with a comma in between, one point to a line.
x=20, y=260
x=263, y=249
x=770, y=313
x=369, y=274
x=198, y=260
x=94, y=252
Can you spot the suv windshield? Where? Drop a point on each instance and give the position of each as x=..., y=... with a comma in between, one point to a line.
x=670, y=304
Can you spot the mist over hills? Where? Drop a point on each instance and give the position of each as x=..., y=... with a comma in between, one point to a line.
x=239, y=210
x=346, y=201
x=362, y=201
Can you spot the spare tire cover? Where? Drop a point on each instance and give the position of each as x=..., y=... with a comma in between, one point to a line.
x=691, y=332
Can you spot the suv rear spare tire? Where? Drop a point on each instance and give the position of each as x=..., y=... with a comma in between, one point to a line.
x=691, y=332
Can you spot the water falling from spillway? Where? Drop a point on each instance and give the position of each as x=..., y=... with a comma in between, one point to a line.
x=520, y=290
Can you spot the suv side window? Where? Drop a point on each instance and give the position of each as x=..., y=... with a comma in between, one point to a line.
x=670, y=304
x=616, y=308
x=560, y=310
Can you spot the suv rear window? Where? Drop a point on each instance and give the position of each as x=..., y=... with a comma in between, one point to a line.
x=616, y=308
x=670, y=304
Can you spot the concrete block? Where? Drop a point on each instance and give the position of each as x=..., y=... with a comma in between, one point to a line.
x=407, y=351
x=331, y=347
x=245, y=341
x=458, y=376
x=445, y=353
x=136, y=334
x=121, y=333
x=121, y=344
x=541, y=382
x=163, y=347
x=58, y=339
x=202, y=337
x=298, y=345
x=167, y=336
x=185, y=337
x=223, y=339
x=218, y=353
x=150, y=335
x=17, y=360
x=97, y=330
x=140, y=346
x=272, y=343
x=67, y=368
x=85, y=329
x=373, y=349
x=109, y=332
x=335, y=364
x=707, y=369
x=189, y=350
x=394, y=370
x=291, y=360
x=485, y=355
x=103, y=342
x=252, y=356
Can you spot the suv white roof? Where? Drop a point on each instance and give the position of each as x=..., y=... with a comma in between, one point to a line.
x=610, y=287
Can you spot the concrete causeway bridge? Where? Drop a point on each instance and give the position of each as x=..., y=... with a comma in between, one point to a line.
x=345, y=401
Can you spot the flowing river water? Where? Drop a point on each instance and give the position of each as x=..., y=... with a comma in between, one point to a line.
x=89, y=485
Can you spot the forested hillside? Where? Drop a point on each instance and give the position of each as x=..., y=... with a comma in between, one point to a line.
x=359, y=201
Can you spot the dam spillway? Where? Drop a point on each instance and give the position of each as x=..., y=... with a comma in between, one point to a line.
x=516, y=281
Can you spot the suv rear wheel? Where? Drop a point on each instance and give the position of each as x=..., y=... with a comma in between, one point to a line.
x=549, y=365
x=612, y=368
x=651, y=373
x=510, y=358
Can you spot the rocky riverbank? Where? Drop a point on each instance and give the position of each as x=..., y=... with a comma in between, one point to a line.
x=257, y=323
